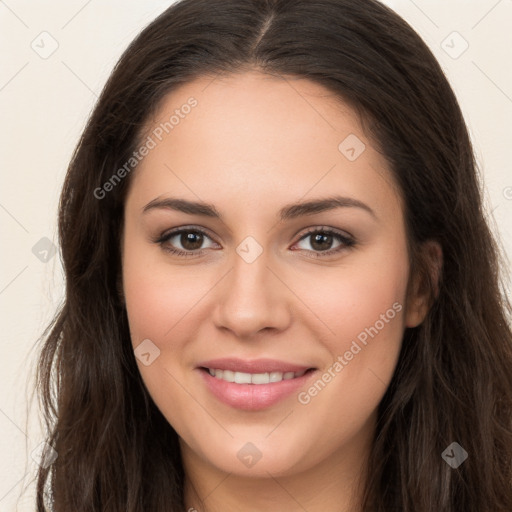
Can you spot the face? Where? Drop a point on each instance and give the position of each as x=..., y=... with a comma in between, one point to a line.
x=288, y=282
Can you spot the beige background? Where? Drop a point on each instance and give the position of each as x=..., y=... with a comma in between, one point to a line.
x=45, y=102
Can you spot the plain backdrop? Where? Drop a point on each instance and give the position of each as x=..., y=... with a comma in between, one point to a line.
x=56, y=56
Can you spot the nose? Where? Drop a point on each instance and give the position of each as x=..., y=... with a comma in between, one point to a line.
x=252, y=298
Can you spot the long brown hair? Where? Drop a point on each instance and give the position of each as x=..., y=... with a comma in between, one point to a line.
x=453, y=381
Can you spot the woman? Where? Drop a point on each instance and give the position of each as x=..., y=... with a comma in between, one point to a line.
x=281, y=290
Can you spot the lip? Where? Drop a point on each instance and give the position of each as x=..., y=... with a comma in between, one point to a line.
x=253, y=397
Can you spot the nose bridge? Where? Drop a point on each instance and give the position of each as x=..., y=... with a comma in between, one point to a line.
x=252, y=298
x=250, y=272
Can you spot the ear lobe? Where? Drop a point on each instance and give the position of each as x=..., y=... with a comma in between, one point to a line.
x=426, y=284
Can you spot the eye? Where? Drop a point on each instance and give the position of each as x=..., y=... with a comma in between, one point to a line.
x=322, y=239
x=190, y=239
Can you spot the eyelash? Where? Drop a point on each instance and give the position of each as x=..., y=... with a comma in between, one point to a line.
x=346, y=241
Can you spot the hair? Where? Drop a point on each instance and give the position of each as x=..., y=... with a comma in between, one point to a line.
x=453, y=379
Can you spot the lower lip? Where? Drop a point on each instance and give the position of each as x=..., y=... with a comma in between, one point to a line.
x=253, y=397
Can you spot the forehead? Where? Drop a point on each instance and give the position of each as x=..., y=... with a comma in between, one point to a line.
x=255, y=106
x=251, y=134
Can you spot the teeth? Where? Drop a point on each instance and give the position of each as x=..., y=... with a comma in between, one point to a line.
x=253, y=378
x=275, y=376
x=240, y=378
x=227, y=375
x=260, y=378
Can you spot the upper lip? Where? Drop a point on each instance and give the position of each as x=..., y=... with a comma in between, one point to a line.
x=253, y=366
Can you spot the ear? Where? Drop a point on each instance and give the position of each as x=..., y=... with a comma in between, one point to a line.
x=425, y=283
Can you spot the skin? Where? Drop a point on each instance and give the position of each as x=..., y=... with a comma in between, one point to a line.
x=253, y=144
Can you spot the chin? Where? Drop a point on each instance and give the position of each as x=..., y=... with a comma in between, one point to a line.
x=257, y=457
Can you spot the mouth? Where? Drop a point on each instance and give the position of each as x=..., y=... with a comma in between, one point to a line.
x=253, y=385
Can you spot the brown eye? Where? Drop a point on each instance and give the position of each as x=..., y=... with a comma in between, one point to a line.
x=322, y=240
x=184, y=242
x=191, y=240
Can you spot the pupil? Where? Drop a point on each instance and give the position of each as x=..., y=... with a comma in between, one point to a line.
x=318, y=238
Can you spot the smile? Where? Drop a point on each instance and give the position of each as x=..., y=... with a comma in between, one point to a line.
x=253, y=378
x=253, y=385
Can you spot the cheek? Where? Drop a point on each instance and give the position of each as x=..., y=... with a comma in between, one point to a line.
x=159, y=304
x=346, y=301
x=158, y=296
x=364, y=312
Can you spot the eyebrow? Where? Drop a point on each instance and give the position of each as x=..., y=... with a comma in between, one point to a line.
x=288, y=212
